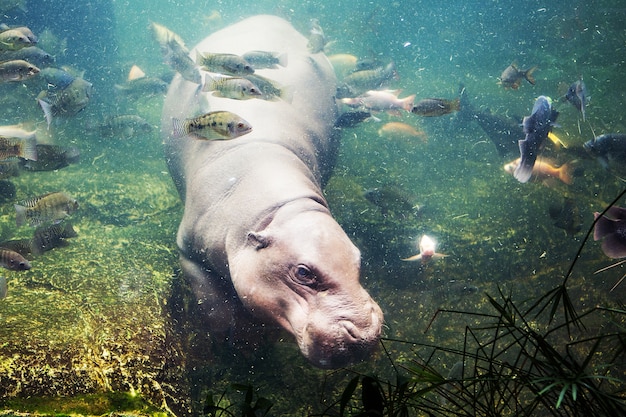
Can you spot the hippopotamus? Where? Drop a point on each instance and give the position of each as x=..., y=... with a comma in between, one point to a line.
x=257, y=234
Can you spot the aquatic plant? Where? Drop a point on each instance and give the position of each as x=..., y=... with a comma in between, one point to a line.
x=526, y=358
x=221, y=405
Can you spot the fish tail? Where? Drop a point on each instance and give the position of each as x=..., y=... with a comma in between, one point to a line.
x=455, y=105
x=20, y=214
x=565, y=174
x=29, y=149
x=407, y=102
x=178, y=128
x=413, y=258
x=47, y=110
x=529, y=75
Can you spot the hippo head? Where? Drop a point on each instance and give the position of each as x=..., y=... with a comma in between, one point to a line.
x=302, y=272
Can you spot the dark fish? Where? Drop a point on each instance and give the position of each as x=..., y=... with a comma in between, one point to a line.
x=503, y=131
x=317, y=39
x=12, y=260
x=359, y=82
x=430, y=107
x=56, y=78
x=220, y=63
x=52, y=236
x=611, y=229
x=52, y=157
x=265, y=59
x=352, y=118
x=577, y=96
x=511, y=77
x=21, y=246
x=607, y=146
x=65, y=102
x=15, y=147
x=124, y=126
x=9, y=168
x=175, y=53
x=32, y=54
x=45, y=208
x=536, y=127
x=566, y=216
x=144, y=86
x=390, y=199
x=17, y=70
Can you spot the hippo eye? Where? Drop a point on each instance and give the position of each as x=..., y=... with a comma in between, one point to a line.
x=303, y=275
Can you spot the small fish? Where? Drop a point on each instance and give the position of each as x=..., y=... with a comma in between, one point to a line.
x=380, y=100
x=124, y=126
x=264, y=59
x=399, y=129
x=536, y=127
x=511, y=77
x=577, y=96
x=503, y=131
x=175, y=53
x=427, y=252
x=177, y=57
x=14, y=39
x=270, y=91
x=236, y=88
x=343, y=64
x=610, y=146
x=317, y=39
x=21, y=246
x=229, y=64
x=66, y=102
x=17, y=70
x=544, y=168
x=611, y=229
x=352, y=118
x=12, y=260
x=32, y=54
x=390, y=199
x=432, y=107
x=52, y=157
x=17, y=147
x=49, y=207
x=164, y=36
x=4, y=287
x=17, y=131
x=9, y=168
x=138, y=84
x=359, y=82
x=566, y=216
x=51, y=236
x=217, y=125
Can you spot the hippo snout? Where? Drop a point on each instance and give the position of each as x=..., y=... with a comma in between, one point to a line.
x=332, y=344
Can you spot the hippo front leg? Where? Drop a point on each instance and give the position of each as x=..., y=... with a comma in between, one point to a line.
x=214, y=295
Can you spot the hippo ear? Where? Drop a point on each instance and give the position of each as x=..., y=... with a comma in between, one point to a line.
x=258, y=240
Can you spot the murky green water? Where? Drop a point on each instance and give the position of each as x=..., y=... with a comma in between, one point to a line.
x=105, y=311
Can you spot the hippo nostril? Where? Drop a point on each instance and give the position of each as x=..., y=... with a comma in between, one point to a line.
x=351, y=329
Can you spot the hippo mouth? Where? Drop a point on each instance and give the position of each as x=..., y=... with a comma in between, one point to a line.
x=341, y=343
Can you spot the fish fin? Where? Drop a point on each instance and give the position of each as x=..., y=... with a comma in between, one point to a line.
x=407, y=102
x=20, y=214
x=455, y=105
x=286, y=94
x=47, y=110
x=283, y=59
x=438, y=256
x=29, y=149
x=529, y=75
x=178, y=128
x=565, y=174
x=413, y=258
x=135, y=73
